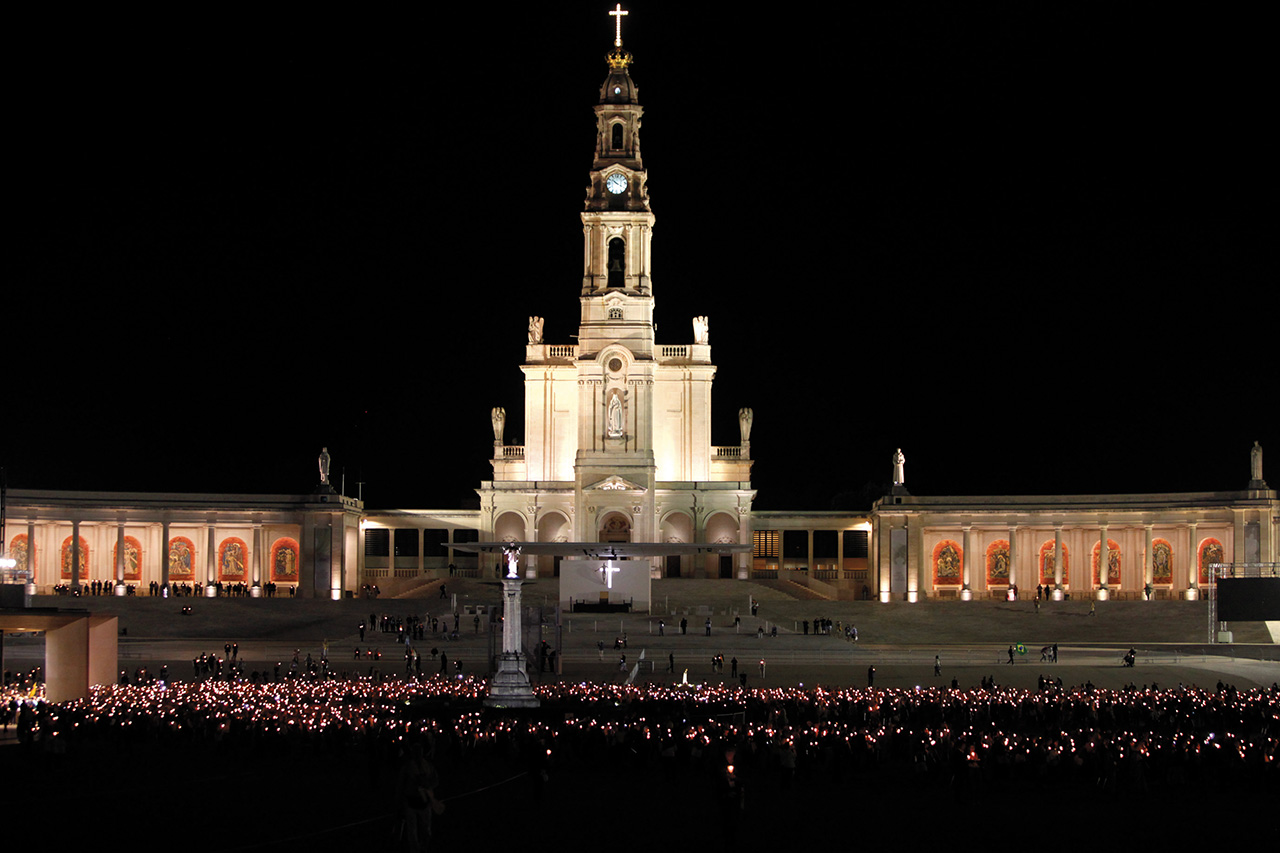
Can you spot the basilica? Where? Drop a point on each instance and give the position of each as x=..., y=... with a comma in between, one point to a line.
x=617, y=448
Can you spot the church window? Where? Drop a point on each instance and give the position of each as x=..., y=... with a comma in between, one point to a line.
x=377, y=542
x=616, y=142
x=1210, y=551
x=406, y=542
x=617, y=262
x=856, y=544
x=1161, y=562
x=435, y=542
x=998, y=563
x=948, y=563
x=795, y=548
x=765, y=543
x=1048, y=564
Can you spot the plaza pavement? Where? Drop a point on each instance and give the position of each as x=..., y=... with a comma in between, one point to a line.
x=900, y=640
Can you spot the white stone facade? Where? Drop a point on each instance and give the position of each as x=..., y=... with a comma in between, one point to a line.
x=1154, y=545
x=617, y=428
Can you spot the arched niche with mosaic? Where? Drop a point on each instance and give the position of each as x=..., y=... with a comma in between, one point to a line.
x=1047, y=566
x=182, y=559
x=1210, y=551
x=285, y=554
x=1161, y=562
x=998, y=563
x=66, y=558
x=948, y=563
x=18, y=551
x=1113, y=562
x=233, y=558
x=132, y=559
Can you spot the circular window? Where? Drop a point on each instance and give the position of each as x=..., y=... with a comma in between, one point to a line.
x=615, y=365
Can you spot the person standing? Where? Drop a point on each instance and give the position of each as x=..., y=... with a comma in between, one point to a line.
x=871, y=676
x=708, y=626
x=937, y=665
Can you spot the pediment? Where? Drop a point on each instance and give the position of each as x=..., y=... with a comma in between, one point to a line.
x=613, y=483
x=615, y=299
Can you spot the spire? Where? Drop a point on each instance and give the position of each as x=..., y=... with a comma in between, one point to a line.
x=618, y=88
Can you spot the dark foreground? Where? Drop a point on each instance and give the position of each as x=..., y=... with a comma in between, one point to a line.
x=322, y=766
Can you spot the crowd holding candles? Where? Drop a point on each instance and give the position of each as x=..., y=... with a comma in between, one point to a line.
x=1137, y=734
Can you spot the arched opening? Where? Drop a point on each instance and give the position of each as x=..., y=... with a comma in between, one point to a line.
x=616, y=142
x=552, y=527
x=617, y=262
x=676, y=527
x=615, y=527
x=721, y=528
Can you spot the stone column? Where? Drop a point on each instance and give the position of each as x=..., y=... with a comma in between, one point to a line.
x=118, y=570
x=1104, y=555
x=75, y=555
x=1057, y=562
x=510, y=686
x=421, y=558
x=164, y=554
x=255, y=578
x=1193, y=553
x=1148, y=565
x=1013, y=556
x=210, y=566
x=966, y=590
x=31, y=558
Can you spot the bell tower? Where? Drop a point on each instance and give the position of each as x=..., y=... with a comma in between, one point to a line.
x=617, y=224
x=617, y=429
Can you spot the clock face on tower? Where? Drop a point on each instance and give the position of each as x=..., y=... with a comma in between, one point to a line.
x=616, y=183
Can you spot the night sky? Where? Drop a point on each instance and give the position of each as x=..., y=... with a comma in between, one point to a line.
x=1025, y=244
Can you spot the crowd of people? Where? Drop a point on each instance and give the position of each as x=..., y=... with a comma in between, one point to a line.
x=1113, y=737
x=170, y=590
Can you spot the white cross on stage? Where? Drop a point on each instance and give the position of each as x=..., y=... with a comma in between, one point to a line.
x=609, y=570
x=617, y=14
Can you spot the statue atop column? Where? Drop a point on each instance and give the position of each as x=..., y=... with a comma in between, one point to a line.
x=510, y=687
x=745, y=416
x=899, y=474
x=498, y=417
x=324, y=466
x=511, y=553
x=1255, y=468
x=535, y=330
x=701, y=330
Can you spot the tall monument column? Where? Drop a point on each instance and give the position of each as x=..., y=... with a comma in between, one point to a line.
x=509, y=687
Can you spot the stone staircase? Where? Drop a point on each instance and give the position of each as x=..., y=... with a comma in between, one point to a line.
x=794, y=590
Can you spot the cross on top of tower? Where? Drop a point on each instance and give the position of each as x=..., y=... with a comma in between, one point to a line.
x=617, y=13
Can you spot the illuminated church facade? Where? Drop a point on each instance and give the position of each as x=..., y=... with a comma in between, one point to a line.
x=617, y=427
x=617, y=447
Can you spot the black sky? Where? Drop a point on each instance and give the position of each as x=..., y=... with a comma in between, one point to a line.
x=1024, y=243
